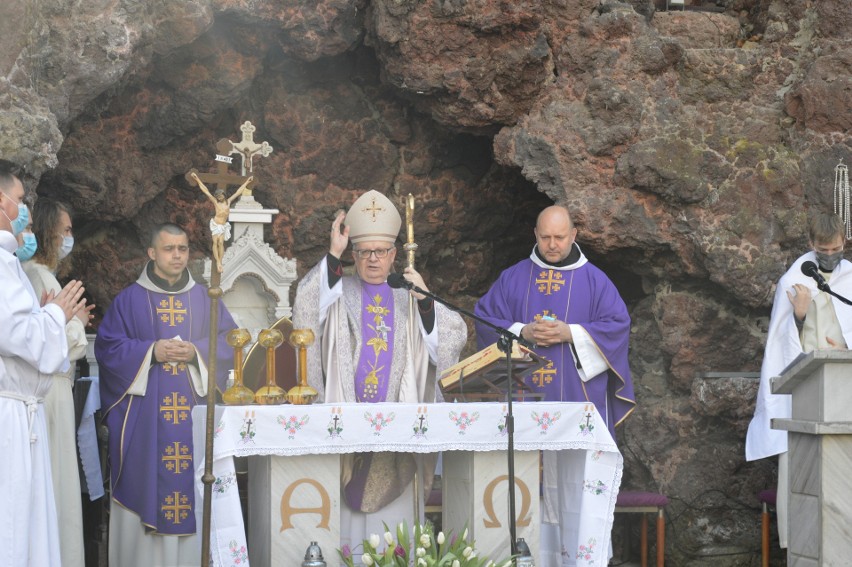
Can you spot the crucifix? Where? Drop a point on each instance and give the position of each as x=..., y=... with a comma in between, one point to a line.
x=220, y=228
x=248, y=148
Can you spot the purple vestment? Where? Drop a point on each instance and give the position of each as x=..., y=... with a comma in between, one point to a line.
x=150, y=435
x=583, y=296
x=372, y=373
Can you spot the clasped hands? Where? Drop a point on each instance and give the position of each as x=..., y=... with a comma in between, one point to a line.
x=174, y=350
x=546, y=332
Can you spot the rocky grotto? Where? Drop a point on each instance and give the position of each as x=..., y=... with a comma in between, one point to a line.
x=690, y=145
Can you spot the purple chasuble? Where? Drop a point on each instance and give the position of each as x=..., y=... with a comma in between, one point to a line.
x=374, y=365
x=150, y=436
x=583, y=296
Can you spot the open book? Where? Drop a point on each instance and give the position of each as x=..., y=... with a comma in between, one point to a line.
x=485, y=371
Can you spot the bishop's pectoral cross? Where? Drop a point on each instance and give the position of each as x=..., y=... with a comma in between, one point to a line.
x=383, y=329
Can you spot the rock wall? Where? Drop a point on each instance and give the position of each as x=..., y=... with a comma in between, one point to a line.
x=690, y=145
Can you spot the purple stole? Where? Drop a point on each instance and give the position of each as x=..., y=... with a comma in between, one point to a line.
x=372, y=375
x=374, y=365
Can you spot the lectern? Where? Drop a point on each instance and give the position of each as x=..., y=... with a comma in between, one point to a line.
x=820, y=453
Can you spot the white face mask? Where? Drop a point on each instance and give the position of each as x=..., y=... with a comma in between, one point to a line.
x=66, y=247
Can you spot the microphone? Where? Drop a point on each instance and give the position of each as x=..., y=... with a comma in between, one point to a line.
x=396, y=281
x=810, y=269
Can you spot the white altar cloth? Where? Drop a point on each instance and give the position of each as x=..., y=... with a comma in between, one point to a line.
x=288, y=430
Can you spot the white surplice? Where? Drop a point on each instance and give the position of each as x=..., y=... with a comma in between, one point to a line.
x=784, y=343
x=61, y=425
x=33, y=347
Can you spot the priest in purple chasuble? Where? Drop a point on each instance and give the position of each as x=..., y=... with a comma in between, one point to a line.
x=573, y=313
x=373, y=345
x=152, y=350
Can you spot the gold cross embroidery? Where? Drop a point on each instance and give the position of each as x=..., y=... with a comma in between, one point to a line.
x=373, y=209
x=544, y=376
x=174, y=368
x=549, y=282
x=170, y=311
x=176, y=507
x=178, y=410
x=177, y=458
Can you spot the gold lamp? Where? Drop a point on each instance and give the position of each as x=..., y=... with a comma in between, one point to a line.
x=302, y=394
x=238, y=394
x=272, y=393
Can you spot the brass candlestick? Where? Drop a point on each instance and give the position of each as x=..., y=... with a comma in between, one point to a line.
x=302, y=394
x=238, y=394
x=271, y=394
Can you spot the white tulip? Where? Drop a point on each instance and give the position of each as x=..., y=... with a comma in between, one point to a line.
x=456, y=563
x=366, y=560
x=420, y=552
x=467, y=551
x=388, y=538
x=464, y=535
x=421, y=562
x=441, y=538
x=375, y=541
x=425, y=541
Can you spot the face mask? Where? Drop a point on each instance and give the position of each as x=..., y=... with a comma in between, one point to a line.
x=827, y=262
x=28, y=248
x=67, y=246
x=20, y=223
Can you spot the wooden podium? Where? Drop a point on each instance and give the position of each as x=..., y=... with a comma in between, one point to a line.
x=820, y=453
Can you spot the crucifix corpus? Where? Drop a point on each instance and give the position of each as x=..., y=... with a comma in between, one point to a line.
x=220, y=228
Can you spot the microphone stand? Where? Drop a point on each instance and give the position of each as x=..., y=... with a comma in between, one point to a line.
x=823, y=286
x=504, y=343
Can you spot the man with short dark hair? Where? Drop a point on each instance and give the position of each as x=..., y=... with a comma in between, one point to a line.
x=803, y=319
x=152, y=350
x=33, y=347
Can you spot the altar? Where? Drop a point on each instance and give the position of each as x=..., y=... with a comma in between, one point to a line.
x=573, y=430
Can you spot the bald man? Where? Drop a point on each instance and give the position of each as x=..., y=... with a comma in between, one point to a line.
x=573, y=313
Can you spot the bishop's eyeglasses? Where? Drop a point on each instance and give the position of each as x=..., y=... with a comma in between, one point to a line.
x=365, y=253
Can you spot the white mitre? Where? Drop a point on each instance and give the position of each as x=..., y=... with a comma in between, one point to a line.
x=373, y=217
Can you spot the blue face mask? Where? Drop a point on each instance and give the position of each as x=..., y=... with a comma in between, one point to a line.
x=20, y=223
x=66, y=247
x=28, y=248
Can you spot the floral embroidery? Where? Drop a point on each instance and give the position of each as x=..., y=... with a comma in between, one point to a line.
x=379, y=421
x=239, y=553
x=292, y=424
x=587, y=552
x=596, y=487
x=223, y=483
x=464, y=420
x=545, y=421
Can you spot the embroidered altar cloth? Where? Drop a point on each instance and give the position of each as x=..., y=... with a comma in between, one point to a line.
x=289, y=430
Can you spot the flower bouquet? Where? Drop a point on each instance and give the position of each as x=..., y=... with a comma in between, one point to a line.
x=425, y=549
